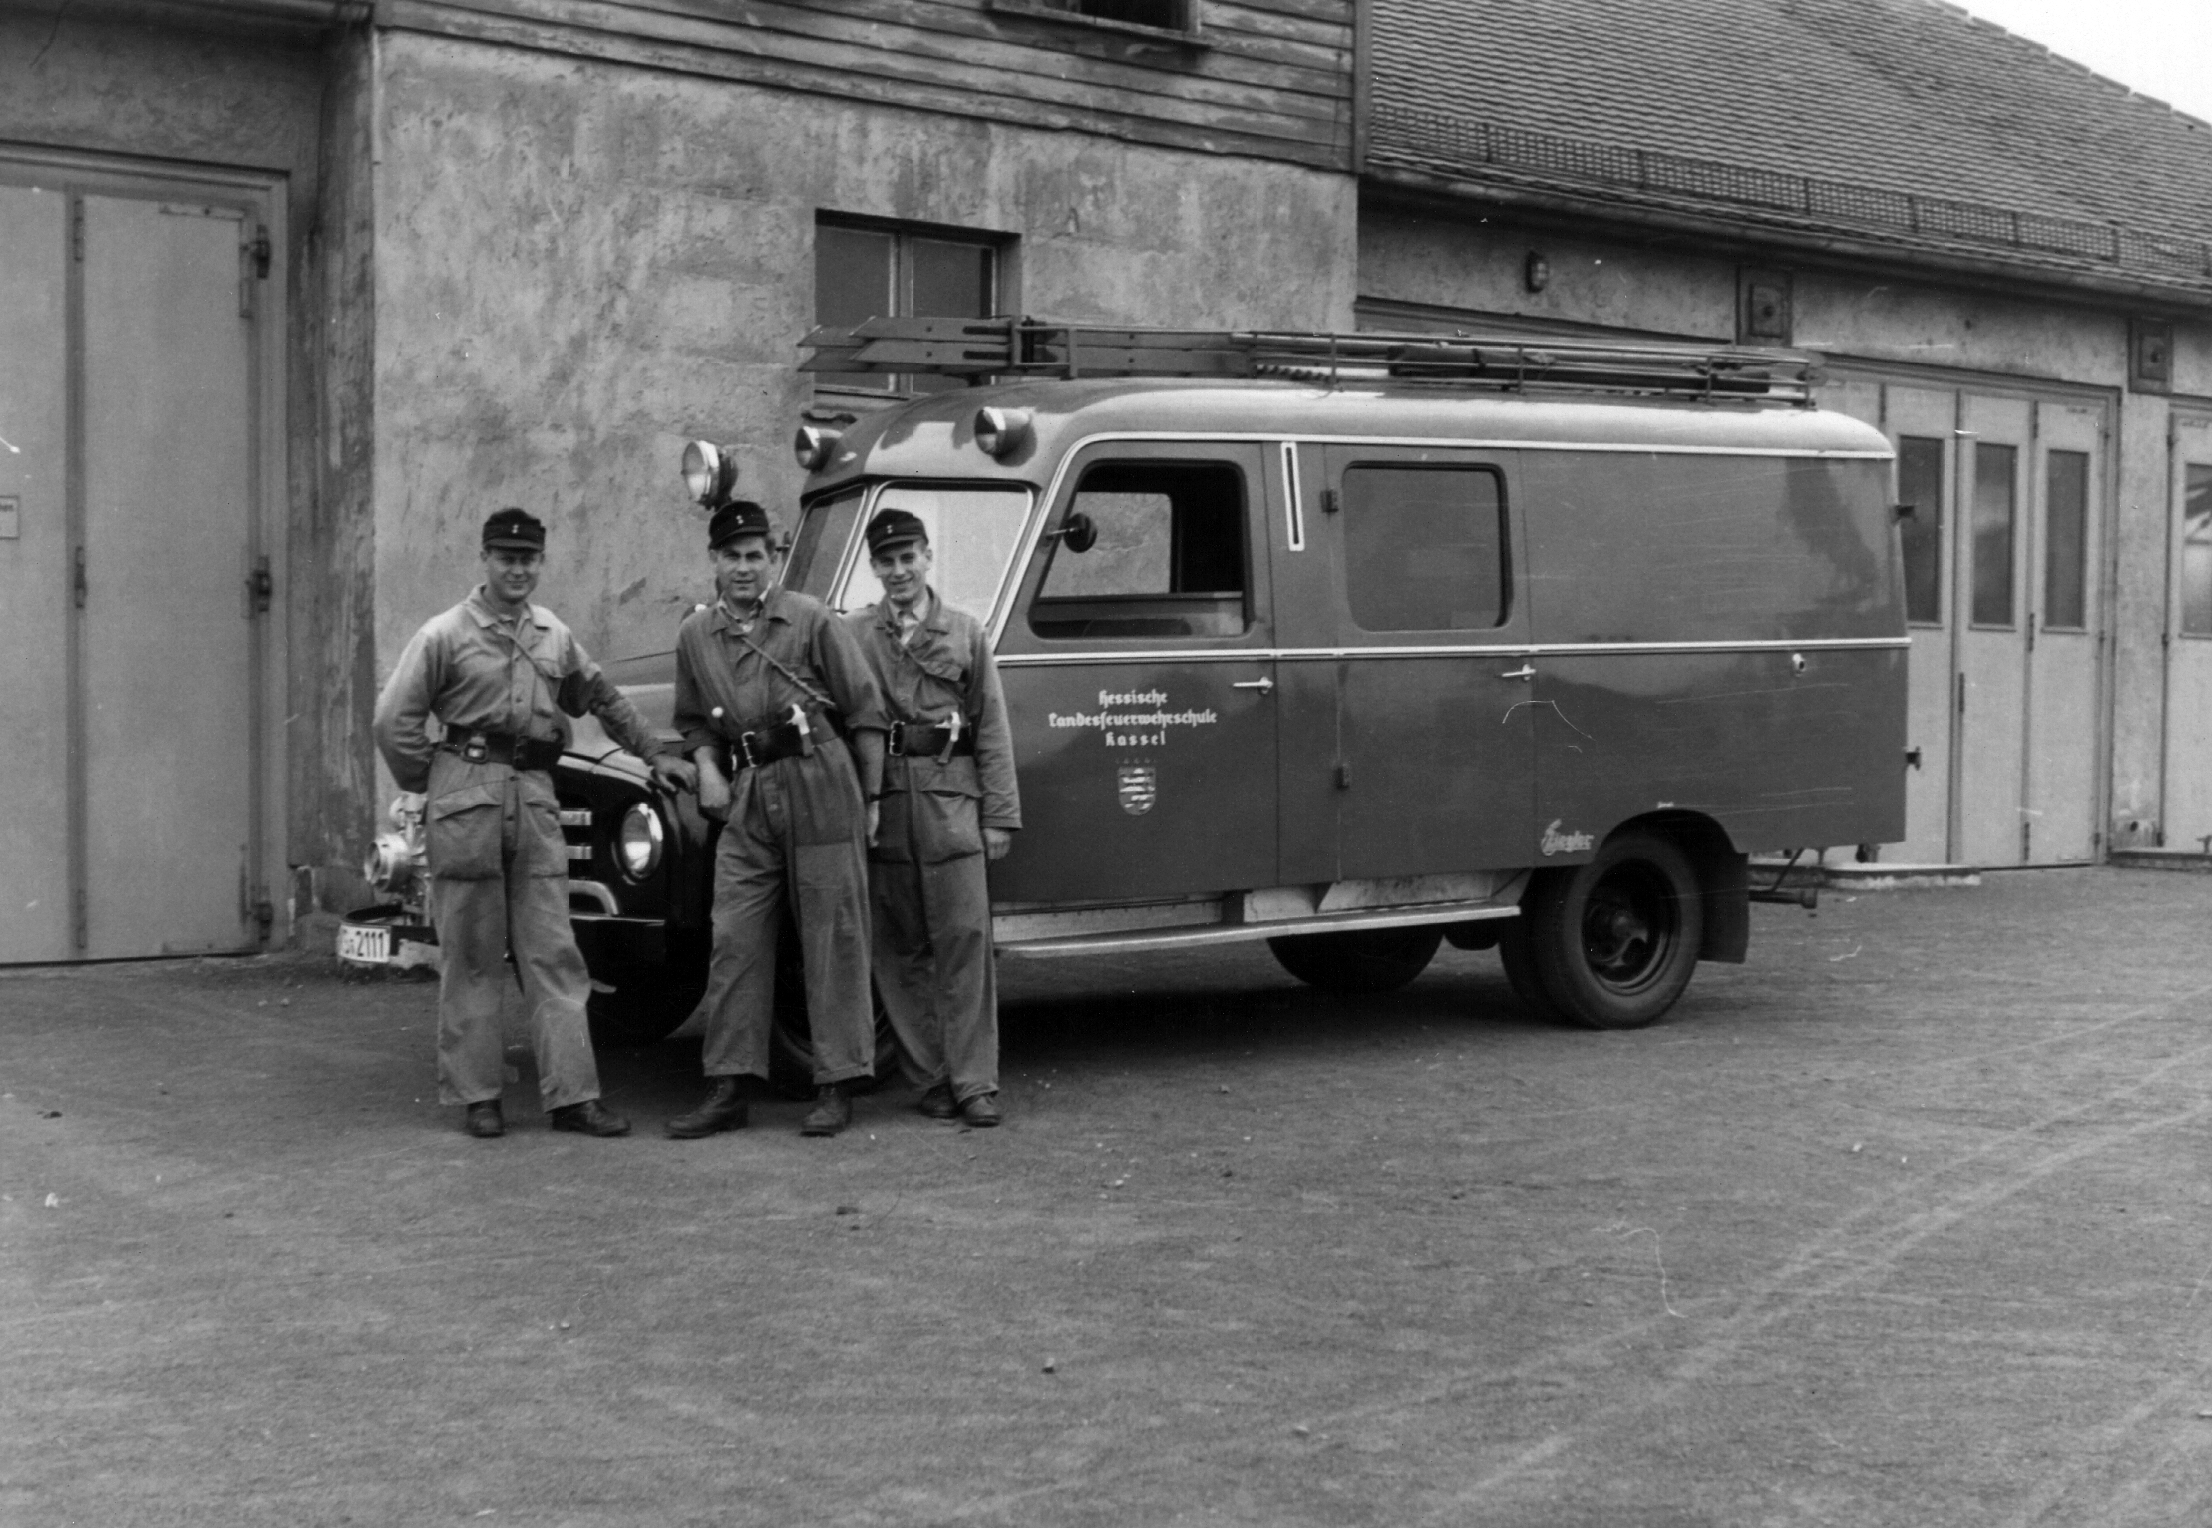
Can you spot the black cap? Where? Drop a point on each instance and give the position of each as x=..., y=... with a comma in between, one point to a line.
x=739, y=517
x=892, y=527
x=515, y=528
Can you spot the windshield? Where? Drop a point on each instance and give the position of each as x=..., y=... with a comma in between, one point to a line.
x=972, y=532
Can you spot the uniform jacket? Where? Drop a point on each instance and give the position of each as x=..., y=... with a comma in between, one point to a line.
x=716, y=669
x=470, y=668
x=933, y=810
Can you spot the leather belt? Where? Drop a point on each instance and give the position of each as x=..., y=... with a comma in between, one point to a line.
x=526, y=753
x=780, y=737
x=910, y=740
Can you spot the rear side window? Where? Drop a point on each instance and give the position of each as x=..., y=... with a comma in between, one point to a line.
x=1147, y=549
x=1424, y=548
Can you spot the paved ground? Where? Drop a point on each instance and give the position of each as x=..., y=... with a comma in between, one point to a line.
x=1906, y=1222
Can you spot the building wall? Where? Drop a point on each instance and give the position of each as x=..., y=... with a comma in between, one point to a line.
x=1424, y=256
x=580, y=265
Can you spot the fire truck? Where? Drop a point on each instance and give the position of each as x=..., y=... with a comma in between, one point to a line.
x=1354, y=644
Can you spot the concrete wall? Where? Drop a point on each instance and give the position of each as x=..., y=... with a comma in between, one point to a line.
x=581, y=265
x=1462, y=261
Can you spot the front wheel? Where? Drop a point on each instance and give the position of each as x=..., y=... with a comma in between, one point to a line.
x=1612, y=943
x=1358, y=960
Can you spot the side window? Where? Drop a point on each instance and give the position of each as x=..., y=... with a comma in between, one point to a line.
x=2196, y=550
x=1148, y=549
x=1424, y=548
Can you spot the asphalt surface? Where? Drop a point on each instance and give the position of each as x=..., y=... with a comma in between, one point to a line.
x=1907, y=1222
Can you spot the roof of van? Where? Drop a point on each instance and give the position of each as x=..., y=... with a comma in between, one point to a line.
x=934, y=436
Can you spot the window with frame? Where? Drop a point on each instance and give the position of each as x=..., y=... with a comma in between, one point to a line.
x=1995, y=513
x=2066, y=541
x=870, y=270
x=1424, y=548
x=2196, y=550
x=1151, y=15
x=1147, y=549
x=1920, y=484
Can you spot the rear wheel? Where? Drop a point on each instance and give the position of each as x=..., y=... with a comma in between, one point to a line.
x=791, y=1038
x=1520, y=969
x=1358, y=960
x=1613, y=943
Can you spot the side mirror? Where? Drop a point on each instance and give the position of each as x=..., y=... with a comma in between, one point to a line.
x=1079, y=531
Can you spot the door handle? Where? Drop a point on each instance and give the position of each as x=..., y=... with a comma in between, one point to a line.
x=1263, y=685
x=1525, y=671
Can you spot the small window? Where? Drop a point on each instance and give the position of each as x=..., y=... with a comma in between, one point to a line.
x=1424, y=548
x=1995, y=510
x=1147, y=549
x=1152, y=15
x=863, y=272
x=2196, y=551
x=1920, y=484
x=2066, y=541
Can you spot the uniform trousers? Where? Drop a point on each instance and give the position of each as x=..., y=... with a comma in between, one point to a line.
x=499, y=881
x=934, y=969
x=758, y=866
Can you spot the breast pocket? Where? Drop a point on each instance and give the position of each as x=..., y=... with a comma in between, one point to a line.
x=463, y=832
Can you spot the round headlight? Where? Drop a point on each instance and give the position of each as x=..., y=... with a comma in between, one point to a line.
x=702, y=465
x=638, y=841
x=1001, y=432
x=812, y=447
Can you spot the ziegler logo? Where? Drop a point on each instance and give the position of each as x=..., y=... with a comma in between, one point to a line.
x=1556, y=842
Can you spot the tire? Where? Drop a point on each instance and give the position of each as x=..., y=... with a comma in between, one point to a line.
x=641, y=1004
x=1520, y=969
x=1614, y=942
x=1358, y=960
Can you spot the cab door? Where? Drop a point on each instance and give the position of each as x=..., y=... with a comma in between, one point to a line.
x=1140, y=681
x=1426, y=747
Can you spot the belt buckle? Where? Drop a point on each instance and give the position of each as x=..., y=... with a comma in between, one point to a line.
x=745, y=750
x=897, y=742
x=476, y=750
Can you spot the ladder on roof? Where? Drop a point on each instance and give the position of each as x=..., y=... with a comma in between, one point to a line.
x=980, y=349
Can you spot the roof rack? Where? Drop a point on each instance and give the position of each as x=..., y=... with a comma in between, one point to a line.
x=983, y=348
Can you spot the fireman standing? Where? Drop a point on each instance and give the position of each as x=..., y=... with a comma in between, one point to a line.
x=777, y=706
x=499, y=672
x=949, y=804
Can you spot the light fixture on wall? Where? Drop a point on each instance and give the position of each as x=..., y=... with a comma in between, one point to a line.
x=1536, y=272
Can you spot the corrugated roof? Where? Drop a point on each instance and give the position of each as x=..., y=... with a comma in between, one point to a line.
x=1907, y=96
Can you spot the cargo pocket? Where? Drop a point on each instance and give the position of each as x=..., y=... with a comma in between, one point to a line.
x=463, y=833
x=947, y=825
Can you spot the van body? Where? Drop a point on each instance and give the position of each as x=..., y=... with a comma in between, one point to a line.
x=1354, y=665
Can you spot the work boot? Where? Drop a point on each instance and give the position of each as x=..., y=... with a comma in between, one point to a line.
x=980, y=1112
x=723, y=1110
x=833, y=1111
x=937, y=1102
x=484, y=1120
x=587, y=1118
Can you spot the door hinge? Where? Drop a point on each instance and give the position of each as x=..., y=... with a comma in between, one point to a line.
x=260, y=587
x=264, y=913
x=260, y=251
x=1331, y=501
x=1962, y=694
x=82, y=920
x=2027, y=831
x=76, y=232
x=78, y=583
x=1343, y=777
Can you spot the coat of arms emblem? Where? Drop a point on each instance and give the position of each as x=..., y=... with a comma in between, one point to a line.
x=1139, y=788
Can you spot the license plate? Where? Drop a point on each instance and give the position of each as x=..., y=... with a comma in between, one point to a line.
x=364, y=944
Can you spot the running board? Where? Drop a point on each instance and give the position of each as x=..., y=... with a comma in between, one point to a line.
x=1130, y=940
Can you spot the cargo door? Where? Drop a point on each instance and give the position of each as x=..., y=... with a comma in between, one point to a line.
x=2187, y=816
x=2064, y=712
x=1140, y=678
x=1990, y=692
x=130, y=787
x=34, y=576
x=1427, y=749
